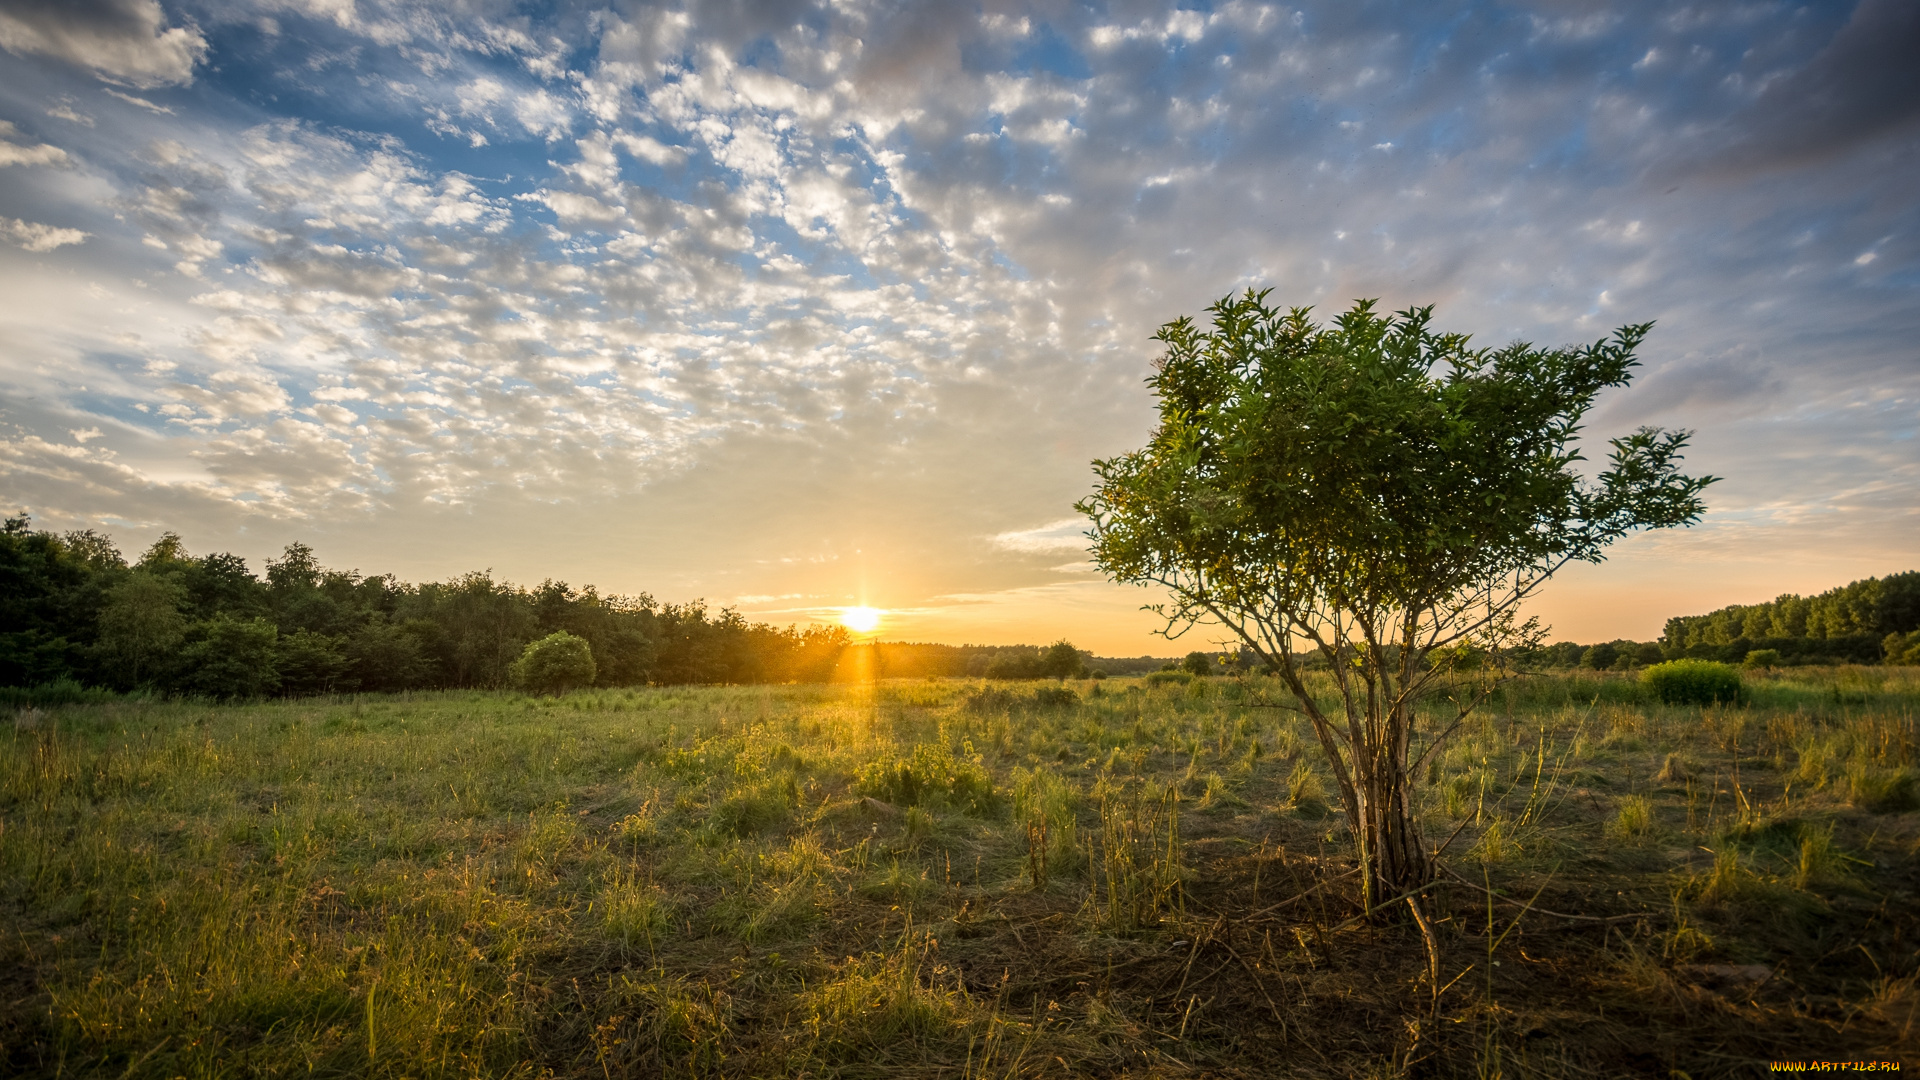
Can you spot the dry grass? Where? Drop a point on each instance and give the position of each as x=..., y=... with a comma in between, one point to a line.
x=936, y=879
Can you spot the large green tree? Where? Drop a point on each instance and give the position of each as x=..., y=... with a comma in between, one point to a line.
x=1375, y=492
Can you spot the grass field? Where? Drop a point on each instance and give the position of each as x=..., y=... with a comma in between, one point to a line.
x=952, y=879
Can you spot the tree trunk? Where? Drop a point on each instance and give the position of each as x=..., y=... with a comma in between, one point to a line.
x=1390, y=841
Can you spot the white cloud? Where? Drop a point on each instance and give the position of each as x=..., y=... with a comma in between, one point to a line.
x=12, y=153
x=141, y=102
x=36, y=237
x=1066, y=534
x=124, y=40
x=65, y=111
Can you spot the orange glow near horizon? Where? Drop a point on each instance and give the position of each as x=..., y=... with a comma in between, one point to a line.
x=860, y=620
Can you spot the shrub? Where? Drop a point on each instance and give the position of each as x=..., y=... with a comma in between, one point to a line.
x=1054, y=697
x=556, y=663
x=1693, y=682
x=932, y=772
x=1762, y=658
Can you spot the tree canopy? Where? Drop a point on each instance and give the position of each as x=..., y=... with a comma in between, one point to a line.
x=1373, y=490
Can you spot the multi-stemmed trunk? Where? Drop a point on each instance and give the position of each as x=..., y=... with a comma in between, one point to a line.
x=1368, y=753
x=1393, y=852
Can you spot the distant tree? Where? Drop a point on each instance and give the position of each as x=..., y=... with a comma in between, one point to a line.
x=232, y=658
x=295, y=569
x=1870, y=607
x=1564, y=654
x=94, y=549
x=483, y=626
x=311, y=663
x=141, y=624
x=1062, y=661
x=51, y=592
x=1901, y=648
x=387, y=658
x=1371, y=491
x=166, y=553
x=555, y=664
x=1599, y=657
x=1015, y=663
x=1197, y=663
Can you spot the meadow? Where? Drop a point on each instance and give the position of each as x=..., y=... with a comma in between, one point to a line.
x=1128, y=877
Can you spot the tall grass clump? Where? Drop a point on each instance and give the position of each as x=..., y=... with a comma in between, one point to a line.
x=1883, y=791
x=930, y=772
x=1135, y=865
x=1693, y=682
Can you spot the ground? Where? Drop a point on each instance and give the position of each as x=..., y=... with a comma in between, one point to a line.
x=951, y=878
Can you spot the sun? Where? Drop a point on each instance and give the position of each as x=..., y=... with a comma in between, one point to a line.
x=860, y=620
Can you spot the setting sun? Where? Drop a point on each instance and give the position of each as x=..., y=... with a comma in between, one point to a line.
x=860, y=620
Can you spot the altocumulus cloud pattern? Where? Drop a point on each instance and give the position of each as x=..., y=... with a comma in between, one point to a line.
x=275, y=265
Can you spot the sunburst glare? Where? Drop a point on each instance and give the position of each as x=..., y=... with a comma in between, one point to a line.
x=860, y=620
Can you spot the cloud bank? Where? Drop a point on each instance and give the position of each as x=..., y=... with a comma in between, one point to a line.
x=836, y=302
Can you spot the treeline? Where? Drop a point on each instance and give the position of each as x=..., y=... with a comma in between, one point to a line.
x=1057, y=661
x=1864, y=622
x=73, y=609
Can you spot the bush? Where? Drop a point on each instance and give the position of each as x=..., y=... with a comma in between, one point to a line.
x=931, y=772
x=1054, y=697
x=1762, y=658
x=1693, y=682
x=58, y=692
x=554, y=664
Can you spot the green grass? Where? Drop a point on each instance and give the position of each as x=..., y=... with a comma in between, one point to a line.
x=946, y=879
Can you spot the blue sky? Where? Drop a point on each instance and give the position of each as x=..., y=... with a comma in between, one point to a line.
x=799, y=305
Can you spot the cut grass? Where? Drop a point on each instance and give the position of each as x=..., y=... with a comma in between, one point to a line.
x=945, y=878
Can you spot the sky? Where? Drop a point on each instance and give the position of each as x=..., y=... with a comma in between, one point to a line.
x=793, y=306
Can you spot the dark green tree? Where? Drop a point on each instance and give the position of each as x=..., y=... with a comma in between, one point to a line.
x=233, y=658
x=388, y=658
x=1061, y=660
x=141, y=624
x=51, y=592
x=1372, y=491
x=311, y=663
